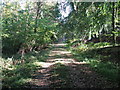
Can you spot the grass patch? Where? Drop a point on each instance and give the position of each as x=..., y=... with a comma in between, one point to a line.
x=100, y=57
x=18, y=75
x=107, y=69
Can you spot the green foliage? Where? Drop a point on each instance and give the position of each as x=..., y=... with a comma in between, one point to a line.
x=98, y=60
x=20, y=42
x=107, y=69
x=18, y=75
x=101, y=44
x=28, y=30
x=19, y=24
x=91, y=20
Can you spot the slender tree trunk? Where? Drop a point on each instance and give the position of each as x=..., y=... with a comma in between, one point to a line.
x=113, y=22
x=38, y=12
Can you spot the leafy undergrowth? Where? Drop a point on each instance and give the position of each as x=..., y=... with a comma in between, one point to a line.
x=17, y=76
x=103, y=58
x=107, y=69
x=60, y=76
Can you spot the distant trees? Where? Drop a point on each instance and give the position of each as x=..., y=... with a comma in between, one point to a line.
x=93, y=20
x=28, y=28
x=37, y=24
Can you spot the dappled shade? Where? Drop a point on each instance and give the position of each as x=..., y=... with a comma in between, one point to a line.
x=54, y=73
x=60, y=44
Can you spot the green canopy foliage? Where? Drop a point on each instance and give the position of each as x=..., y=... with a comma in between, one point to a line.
x=19, y=26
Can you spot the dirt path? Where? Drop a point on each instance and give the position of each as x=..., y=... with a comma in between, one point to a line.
x=61, y=70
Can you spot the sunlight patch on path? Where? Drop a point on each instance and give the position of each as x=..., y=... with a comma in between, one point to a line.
x=61, y=52
x=52, y=53
x=58, y=54
x=55, y=61
x=81, y=75
x=43, y=64
x=62, y=59
x=60, y=44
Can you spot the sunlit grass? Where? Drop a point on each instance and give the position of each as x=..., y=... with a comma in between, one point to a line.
x=107, y=69
x=17, y=76
x=101, y=64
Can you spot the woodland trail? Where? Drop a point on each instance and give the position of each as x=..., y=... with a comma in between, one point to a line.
x=61, y=70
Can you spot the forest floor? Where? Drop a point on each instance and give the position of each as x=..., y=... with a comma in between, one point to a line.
x=61, y=70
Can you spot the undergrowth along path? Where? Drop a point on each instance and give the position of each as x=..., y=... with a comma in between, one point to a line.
x=61, y=70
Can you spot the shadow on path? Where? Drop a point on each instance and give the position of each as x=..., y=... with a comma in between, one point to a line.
x=61, y=70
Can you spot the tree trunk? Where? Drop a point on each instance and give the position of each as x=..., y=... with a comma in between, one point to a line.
x=38, y=12
x=113, y=22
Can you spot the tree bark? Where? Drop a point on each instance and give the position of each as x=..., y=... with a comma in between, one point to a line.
x=113, y=22
x=37, y=16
